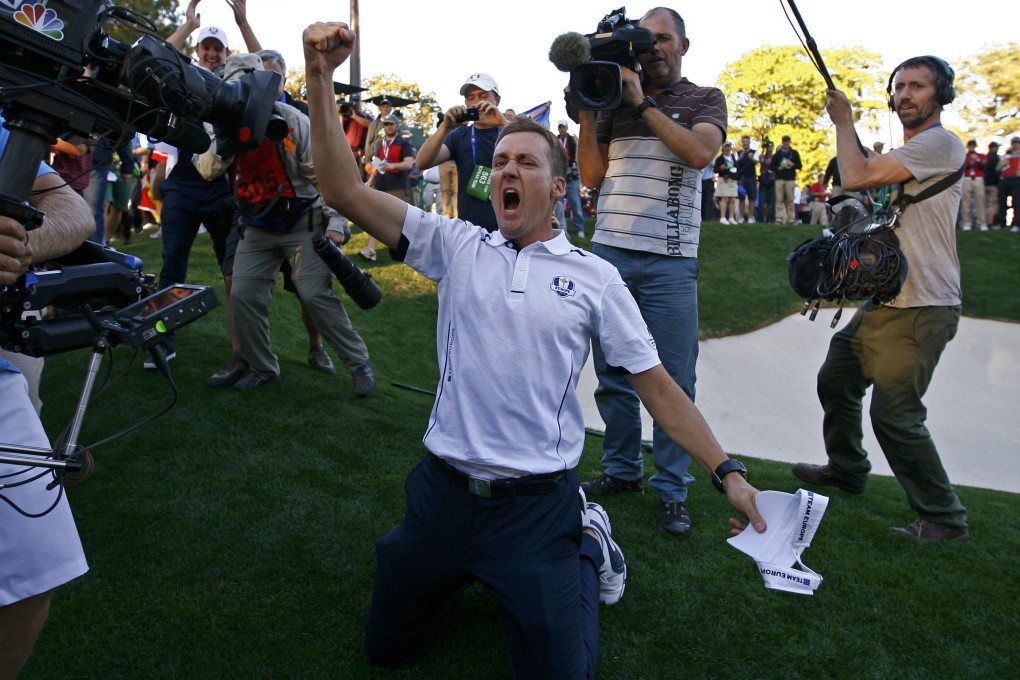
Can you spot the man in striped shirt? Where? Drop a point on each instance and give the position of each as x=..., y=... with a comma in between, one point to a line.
x=647, y=157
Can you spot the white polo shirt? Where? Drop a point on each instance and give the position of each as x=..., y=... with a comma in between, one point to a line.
x=513, y=334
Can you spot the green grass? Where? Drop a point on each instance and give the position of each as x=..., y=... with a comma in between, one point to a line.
x=234, y=537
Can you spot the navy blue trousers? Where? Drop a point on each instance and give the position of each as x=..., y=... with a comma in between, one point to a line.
x=528, y=551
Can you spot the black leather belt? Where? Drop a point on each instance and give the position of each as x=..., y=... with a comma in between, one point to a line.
x=532, y=485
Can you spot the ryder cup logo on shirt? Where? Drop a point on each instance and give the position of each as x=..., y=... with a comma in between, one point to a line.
x=562, y=286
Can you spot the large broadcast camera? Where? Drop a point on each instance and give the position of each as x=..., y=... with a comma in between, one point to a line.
x=60, y=73
x=47, y=45
x=594, y=60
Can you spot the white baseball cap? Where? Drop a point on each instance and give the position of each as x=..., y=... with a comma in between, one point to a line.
x=563, y=123
x=215, y=33
x=792, y=521
x=483, y=81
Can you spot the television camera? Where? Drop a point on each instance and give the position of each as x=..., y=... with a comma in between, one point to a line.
x=594, y=60
x=60, y=73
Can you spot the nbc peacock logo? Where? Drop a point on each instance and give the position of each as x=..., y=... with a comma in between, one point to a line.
x=37, y=16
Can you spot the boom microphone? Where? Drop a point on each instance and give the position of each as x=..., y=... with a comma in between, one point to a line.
x=569, y=50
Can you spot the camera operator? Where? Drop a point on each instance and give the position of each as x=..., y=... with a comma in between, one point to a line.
x=36, y=554
x=895, y=347
x=470, y=146
x=647, y=225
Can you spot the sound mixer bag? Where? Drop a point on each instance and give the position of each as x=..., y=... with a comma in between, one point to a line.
x=856, y=259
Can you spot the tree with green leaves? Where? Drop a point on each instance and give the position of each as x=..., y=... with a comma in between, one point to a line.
x=163, y=14
x=988, y=92
x=776, y=91
x=421, y=115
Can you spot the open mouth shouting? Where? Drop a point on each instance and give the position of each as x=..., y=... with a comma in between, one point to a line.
x=511, y=200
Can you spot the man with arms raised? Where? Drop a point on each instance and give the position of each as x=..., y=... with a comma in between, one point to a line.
x=895, y=347
x=496, y=499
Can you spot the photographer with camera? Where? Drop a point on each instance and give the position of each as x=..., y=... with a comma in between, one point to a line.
x=894, y=347
x=470, y=145
x=37, y=554
x=280, y=213
x=647, y=225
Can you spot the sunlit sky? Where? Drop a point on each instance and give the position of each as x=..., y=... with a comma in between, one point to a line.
x=439, y=43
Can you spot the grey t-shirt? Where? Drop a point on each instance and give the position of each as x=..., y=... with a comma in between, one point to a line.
x=927, y=230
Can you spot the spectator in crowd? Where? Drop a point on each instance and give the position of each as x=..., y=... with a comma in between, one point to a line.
x=355, y=123
x=992, y=217
x=375, y=129
x=819, y=196
x=894, y=347
x=659, y=140
x=496, y=498
x=973, y=204
x=448, y=181
x=1009, y=185
x=726, y=188
x=747, y=175
x=272, y=60
x=118, y=201
x=190, y=202
x=389, y=169
x=767, y=185
x=832, y=175
x=877, y=147
x=72, y=160
x=802, y=199
x=573, y=197
x=708, y=194
x=38, y=554
x=431, y=195
x=96, y=192
x=786, y=163
x=470, y=147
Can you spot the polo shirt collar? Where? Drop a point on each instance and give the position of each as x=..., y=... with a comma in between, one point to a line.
x=559, y=244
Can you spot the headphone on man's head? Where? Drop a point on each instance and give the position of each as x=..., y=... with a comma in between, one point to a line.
x=941, y=72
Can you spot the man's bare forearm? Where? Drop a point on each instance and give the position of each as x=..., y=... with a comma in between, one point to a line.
x=67, y=224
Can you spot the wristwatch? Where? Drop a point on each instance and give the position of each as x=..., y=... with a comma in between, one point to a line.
x=648, y=103
x=725, y=468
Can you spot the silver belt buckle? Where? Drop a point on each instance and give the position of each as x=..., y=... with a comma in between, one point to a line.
x=479, y=487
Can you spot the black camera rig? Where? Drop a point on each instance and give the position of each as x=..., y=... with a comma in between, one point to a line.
x=617, y=42
x=61, y=73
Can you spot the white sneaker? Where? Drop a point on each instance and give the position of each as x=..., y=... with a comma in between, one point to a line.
x=156, y=234
x=750, y=220
x=613, y=572
x=983, y=228
x=723, y=220
x=1014, y=229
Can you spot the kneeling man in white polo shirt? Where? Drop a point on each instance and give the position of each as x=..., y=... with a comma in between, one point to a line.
x=497, y=499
